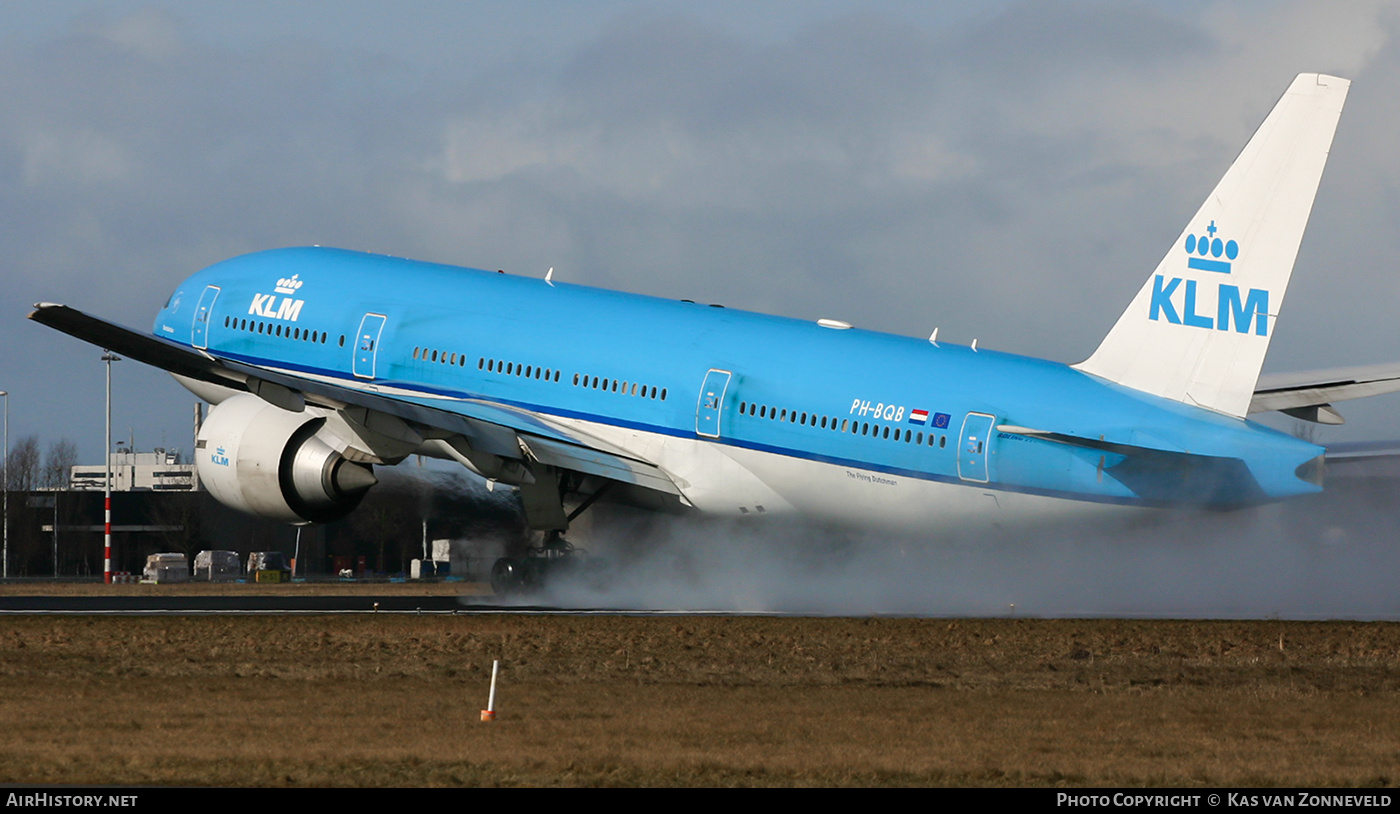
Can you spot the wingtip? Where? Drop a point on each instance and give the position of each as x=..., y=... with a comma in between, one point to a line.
x=40, y=308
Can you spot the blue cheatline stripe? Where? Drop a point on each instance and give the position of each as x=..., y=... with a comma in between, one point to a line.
x=612, y=421
x=1201, y=264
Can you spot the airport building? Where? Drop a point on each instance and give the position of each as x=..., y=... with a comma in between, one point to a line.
x=158, y=506
x=156, y=471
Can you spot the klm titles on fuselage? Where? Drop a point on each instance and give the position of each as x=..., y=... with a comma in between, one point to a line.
x=1209, y=253
x=286, y=306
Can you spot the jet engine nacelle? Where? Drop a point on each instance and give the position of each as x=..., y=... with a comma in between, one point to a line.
x=266, y=461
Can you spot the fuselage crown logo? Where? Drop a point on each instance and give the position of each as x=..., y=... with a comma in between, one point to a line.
x=1212, y=254
x=287, y=306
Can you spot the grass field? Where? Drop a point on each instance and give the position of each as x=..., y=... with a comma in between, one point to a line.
x=378, y=700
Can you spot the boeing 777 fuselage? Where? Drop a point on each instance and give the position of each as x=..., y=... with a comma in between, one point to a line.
x=747, y=413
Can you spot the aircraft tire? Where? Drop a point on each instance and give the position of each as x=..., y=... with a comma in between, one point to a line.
x=534, y=573
x=506, y=577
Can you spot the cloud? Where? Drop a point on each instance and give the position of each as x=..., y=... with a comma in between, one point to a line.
x=1011, y=176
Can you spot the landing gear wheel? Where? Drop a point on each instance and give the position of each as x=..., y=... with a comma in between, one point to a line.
x=506, y=576
x=534, y=573
x=541, y=565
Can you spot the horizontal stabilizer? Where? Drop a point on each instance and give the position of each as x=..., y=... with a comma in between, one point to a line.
x=1364, y=459
x=1363, y=450
x=1316, y=390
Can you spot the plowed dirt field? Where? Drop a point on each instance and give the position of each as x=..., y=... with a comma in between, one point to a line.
x=381, y=700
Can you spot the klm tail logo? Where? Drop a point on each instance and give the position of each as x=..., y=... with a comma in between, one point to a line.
x=1209, y=253
x=288, y=308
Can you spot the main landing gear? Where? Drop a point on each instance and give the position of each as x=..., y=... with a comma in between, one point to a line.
x=542, y=564
x=555, y=557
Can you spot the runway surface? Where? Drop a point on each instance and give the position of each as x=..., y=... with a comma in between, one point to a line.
x=367, y=604
x=225, y=604
x=361, y=603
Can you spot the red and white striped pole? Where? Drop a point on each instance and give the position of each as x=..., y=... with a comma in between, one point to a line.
x=109, y=358
x=107, y=533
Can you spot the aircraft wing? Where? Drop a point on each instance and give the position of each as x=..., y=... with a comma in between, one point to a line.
x=502, y=430
x=1309, y=394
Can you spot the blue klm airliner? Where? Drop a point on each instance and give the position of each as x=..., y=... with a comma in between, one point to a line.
x=323, y=363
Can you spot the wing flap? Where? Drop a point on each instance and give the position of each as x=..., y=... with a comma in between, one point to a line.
x=594, y=462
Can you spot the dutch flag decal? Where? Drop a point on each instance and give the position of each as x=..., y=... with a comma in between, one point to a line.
x=919, y=417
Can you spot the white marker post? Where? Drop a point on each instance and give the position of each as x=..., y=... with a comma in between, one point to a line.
x=489, y=714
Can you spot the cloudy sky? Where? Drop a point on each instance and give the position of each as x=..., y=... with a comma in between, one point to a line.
x=1010, y=172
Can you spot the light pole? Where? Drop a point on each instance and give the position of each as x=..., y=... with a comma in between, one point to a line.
x=109, y=358
x=6, y=395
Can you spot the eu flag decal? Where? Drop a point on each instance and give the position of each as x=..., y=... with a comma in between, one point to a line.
x=940, y=420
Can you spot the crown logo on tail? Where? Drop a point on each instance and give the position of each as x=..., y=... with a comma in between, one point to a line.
x=1207, y=250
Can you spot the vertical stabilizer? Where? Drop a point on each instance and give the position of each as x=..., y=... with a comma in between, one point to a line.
x=1198, y=329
